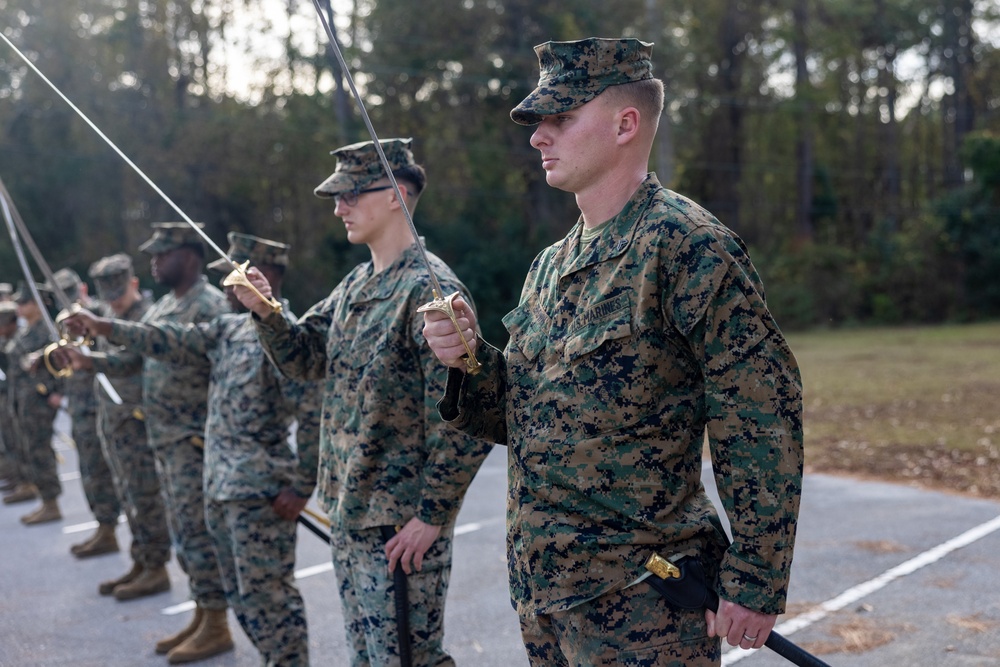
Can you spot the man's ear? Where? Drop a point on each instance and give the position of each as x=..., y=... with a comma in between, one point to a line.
x=628, y=124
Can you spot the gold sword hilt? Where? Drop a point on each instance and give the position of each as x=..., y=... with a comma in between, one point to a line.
x=662, y=567
x=239, y=277
x=444, y=305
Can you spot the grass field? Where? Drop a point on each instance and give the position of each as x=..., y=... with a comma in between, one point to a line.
x=905, y=404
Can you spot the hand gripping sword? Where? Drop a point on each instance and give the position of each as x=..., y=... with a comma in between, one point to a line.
x=682, y=583
x=440, y=303
x=239, y=274
x=15, y=224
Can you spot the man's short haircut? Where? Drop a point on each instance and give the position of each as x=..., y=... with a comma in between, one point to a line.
x=413, y=174
x=645, y=95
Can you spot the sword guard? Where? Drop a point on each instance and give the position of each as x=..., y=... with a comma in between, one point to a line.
x=445, y=305
x=239, y=277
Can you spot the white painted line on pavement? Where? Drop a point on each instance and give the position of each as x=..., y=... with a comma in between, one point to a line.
x=866, y=588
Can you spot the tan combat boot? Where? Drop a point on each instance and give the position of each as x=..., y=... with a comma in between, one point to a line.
x=164, y=645
x=49, y=511
x=108, y=587
x=211, y=638
x=21, y=493
x=149, y=582
x=103, y=541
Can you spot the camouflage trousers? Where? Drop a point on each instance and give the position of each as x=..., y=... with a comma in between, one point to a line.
x=37, y=457
x=10, y=455
x=256, y=555
x=95, y=473
x=634, y=627
x=131, y=462
x=179, y=465
x=367, y=594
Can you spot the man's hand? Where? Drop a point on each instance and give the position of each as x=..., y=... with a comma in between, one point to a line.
x=84, y=323
x=442, y=337
x=289, y=504
x=408, y=546
x=740, y=626
x=54, y=400
x=250, y=299
x=69, y=355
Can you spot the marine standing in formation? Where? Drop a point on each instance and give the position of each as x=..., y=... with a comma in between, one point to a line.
x=10, y=466
x=640, y=332
x=255, y=483
x=81, y=391
x=122, y=430
x=34, y=397
x=387, y=462
x=175, y=409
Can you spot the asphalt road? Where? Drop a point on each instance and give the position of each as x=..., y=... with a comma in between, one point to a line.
x=883, y=575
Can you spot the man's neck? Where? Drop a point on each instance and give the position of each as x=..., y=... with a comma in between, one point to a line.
x=606, y=199
x=185, y=285
x=390, y=246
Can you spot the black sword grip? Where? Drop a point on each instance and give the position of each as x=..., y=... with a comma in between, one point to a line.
x=691, y=591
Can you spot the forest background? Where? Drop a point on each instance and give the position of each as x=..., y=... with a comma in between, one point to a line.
x=854, y=145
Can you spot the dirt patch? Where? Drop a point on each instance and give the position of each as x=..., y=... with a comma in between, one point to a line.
x=975, y=623
x=854, y=636
x=969, y=471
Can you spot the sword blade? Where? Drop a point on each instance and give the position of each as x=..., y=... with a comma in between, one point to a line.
x=184, y=216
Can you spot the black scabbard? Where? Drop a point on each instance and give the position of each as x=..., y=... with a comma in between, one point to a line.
x=402, y=603
x=691, y=591
x=313, y=528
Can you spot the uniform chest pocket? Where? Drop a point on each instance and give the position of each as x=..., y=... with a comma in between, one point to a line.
x=367, y=346
x=528, y=327
x=606, y=322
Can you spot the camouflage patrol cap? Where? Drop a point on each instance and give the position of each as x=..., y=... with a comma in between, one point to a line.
x=111, y=276
x=170, y=235
x=8, y=312
x=23, y=293
x=573, y=73
x=359, y=164
x=6, y=291
x=258, y=251
x=68, y=281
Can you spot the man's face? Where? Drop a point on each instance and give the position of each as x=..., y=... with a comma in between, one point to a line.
x=575, y=146
x=168, y=267
x=121, y=305
x=366, y=220
x=8, y=330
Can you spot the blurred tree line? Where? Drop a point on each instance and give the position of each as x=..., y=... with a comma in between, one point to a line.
x=855, y=146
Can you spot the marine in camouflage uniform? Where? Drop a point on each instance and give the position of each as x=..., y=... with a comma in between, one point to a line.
x=386, y=460
x=95, y=474
x=33, y=401
x=11, y=467
x=122, y=430
x=643, y=329
x=255, y=483
x=176, y=409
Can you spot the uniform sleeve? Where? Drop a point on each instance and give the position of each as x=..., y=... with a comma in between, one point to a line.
x=306, y=401
x=117, y=362
x=476, y=404
x=454, y=457
x=298, y=350
x=168, y=341
x=753, y=405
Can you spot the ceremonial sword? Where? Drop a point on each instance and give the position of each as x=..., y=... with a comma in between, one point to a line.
x=239, y=274
x=15, y=223
x=440, y=303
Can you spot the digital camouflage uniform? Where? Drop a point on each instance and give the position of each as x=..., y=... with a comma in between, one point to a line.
x=622, y=353
x=248, y=461
x=176, y=408
x=385, y=455
x=122, y=427
x=28, y=391
x=98, y=483
x=8, y=456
